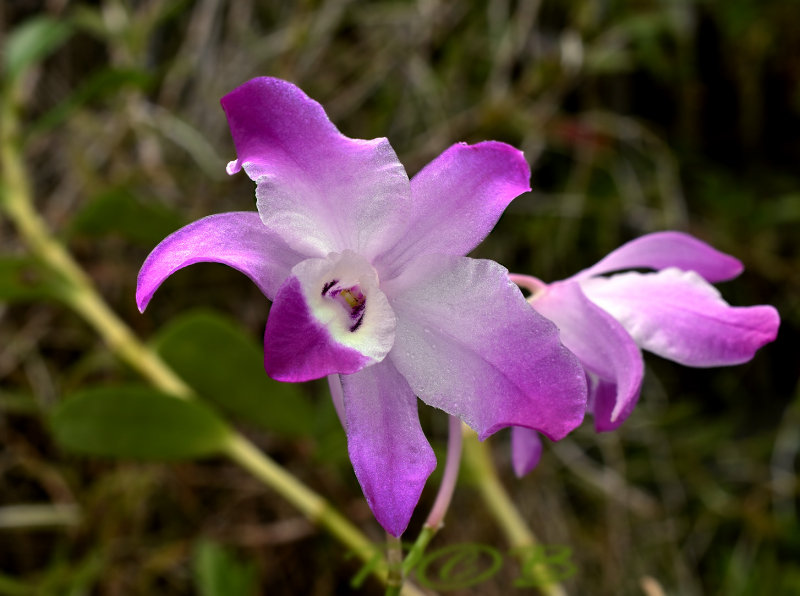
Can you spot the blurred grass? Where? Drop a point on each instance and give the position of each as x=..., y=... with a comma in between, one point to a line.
x=635, y=116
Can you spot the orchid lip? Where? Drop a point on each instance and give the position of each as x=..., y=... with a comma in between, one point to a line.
x=352, y=300
x=343, y=295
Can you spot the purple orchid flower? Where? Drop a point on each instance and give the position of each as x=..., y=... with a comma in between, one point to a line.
x=674, y=312
x=368, y=281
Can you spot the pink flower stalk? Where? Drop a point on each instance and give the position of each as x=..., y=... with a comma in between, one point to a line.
x=368, y=279
x=673, y=311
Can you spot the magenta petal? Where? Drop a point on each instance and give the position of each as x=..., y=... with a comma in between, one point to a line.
x=297, y=347
x=322, y=191
x=668, y=249
x=679, y=316
x=391, y=456
x=458, y=198
x=468, y=343
x=237, y=239
x=526, y=450
x=604, y=399
x=597, y=339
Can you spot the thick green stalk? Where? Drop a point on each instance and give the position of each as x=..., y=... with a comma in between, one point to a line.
x=309, y=503
x=394, y=558
x=418, y=549
x=76, y=288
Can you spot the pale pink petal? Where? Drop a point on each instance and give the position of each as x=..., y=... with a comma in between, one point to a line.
x=457, y=199
x=526, y=450
x=468, y=343
x=600, y=342
x=391, y=456
x=237, y=239
x=668, y=249
x=678, y=315
x=322, y=191
x=317, y=327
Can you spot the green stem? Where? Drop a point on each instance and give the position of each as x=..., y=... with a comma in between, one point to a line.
x=83, y=298
x=394, y=557
x=309, y=503
x=418, y=549
x=478, y=457
x=78, y=291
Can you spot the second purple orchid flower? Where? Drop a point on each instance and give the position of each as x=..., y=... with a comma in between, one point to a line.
x=369, y=282
x=673, y=311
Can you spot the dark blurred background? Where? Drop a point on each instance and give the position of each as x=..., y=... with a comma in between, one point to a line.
x=636, y=116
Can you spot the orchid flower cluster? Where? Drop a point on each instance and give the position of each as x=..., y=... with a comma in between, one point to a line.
x=370, y=287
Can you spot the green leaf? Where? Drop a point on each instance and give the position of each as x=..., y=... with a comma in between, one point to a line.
x=217, y=572
x=137, y=422
x=31, y=42
x=119, y=212
x=226, y=366
x=23, y=279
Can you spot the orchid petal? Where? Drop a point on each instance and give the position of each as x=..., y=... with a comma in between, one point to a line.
x=328, y=317
x=458, y=198
x=678, y=315
x=237, y=239
x=668, y=249
x=391, y=457
x=526, y=450
x=322, y=191
x=468, y=343
x=597, y=339
x=337, y=396
x=604, y=399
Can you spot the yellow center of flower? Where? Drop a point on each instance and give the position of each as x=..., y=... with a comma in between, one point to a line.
x=352, y=300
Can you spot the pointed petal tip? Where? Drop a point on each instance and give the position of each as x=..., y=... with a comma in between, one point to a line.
x=518, y=171
x=457, y=200
x=771, y=322
x=142, y=299
x=233, y=167
x=526, y=450
x=320, y=190
x=236, y=239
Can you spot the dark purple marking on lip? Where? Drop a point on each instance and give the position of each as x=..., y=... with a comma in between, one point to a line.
x=353, y=294
x=357, y=324
x=329, y=285
x=359, y=310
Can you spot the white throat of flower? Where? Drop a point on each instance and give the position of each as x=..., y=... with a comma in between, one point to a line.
x=343, y=294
